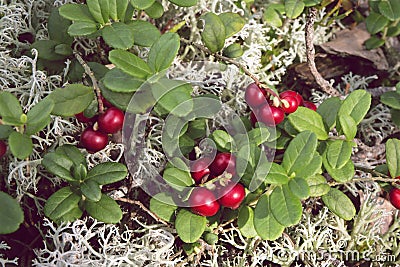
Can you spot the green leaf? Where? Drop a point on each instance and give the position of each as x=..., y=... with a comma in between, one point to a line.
x=82, y=28
x=119, y=100
x=356, y=105
x=58, y=164
x=348, y=126
x=338, y=203
x=300, y=152
x=122, y=6
x=107, y=173
x=223, y=140
x=390, y=9
x=272, y=16
x=312, y=168
x=393, y=31
x=277, y=175
x=118, y=35
x=309, y=3
x=11, y=214
x=71, y=100
x=233, y=23
x=259, y=135
x=57, y=27
x=266, y=225
x=189, y=226
x=145, y=33
x=105, y=210
x=163, y=52
x=76, y=12
x=373, y=42
x=91, y=190
x=299, y=187
x=294, y=8
x=246, y=222
x=39, y=116
x=46, y=50
x=186, y=144
x=196, y=128
x=160, y=205
x=344, y=174
x=375, y=22
x=285, y=206
x=318, y=185
x=391, y=99
x=329, y=110
x=118, y=81
x=304, y=119
x=395, y=116
x=95, y=10
x=184, y=3
x=130, y=63
x=79, y=171
x=338, y=153
x=20, y=145
x=72, y=153
x=5, y=131
x=142, y=4
x=233, y=51
x=63, y=206
x=177, y=178
x=10, y=109
x=155, y=11
x=63, y=49
x=113, y=9
x=105, y=9
x=393, y=157
x=214, y=33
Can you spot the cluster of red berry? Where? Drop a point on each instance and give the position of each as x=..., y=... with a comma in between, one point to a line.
x=206, y=202
x=394, y=196
x=272, y=112
x=95, y=137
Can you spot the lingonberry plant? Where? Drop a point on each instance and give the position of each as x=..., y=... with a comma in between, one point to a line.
x=221, y=147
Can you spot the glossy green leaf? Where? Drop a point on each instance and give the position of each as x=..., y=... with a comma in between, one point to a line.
x=393, y=157
x=11, y=214
x=348, y=126
x=20, y=145
x=186, y=144
x=300, y=152
x=246, y=222
x=57, y=27
x=130, y=63
x=314, y=167
x=82, y=28
x=73, y=153
x=233, y=23
x=375, y=22
x=391, y=99
x=285, y=206
x=160, y=204
x=309, y=3
x=118, y=81
x=163, y=52
x=113, y=9
x=63, y=206
x=265, y=224
x=318, y=185
x=10, y=109
x=233, y=51
x=145, y=33
x=395, y=116
x=118, y=35
x=390, y=9
x=79, y=171
x=105, y=9
x=39, y=116
x=122, y=6
x=105, y=210
x=189, y=226
x=272, y=16
x=356, y=105
x=393, y=30
x=329, y=110
x=338, y=153
x=374, y=42
x=71, y=100
x=294, y=8
x=277, y=175
x=155, y=11
x=95, y=10
x=340, y=204
x=107, y=173
x=63, y=49
x=299, y=187
x=46, y=50
x=76, y=12
x=223, y=140
x=91, y=190
x=184, y=3
x=5, y=131
x=177, y=178
x=58, y=164
x=197, y=128
x=142, y=4
x=304, y=119
x=343, y=174
x=213, y=34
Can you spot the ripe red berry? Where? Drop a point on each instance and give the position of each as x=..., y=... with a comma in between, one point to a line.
x=223, y=161
x=271, y=115
x=310, y=105
x=111, y=120
x=202, y=202
x=254, y=95
x=291, y=104
x=3, y=148
x=93, y=140
x=292, y=93
x=200, y=168
x=82, y=118
x=395, y=197
x=106, y=103
x=253, y=119
x=232, y=196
